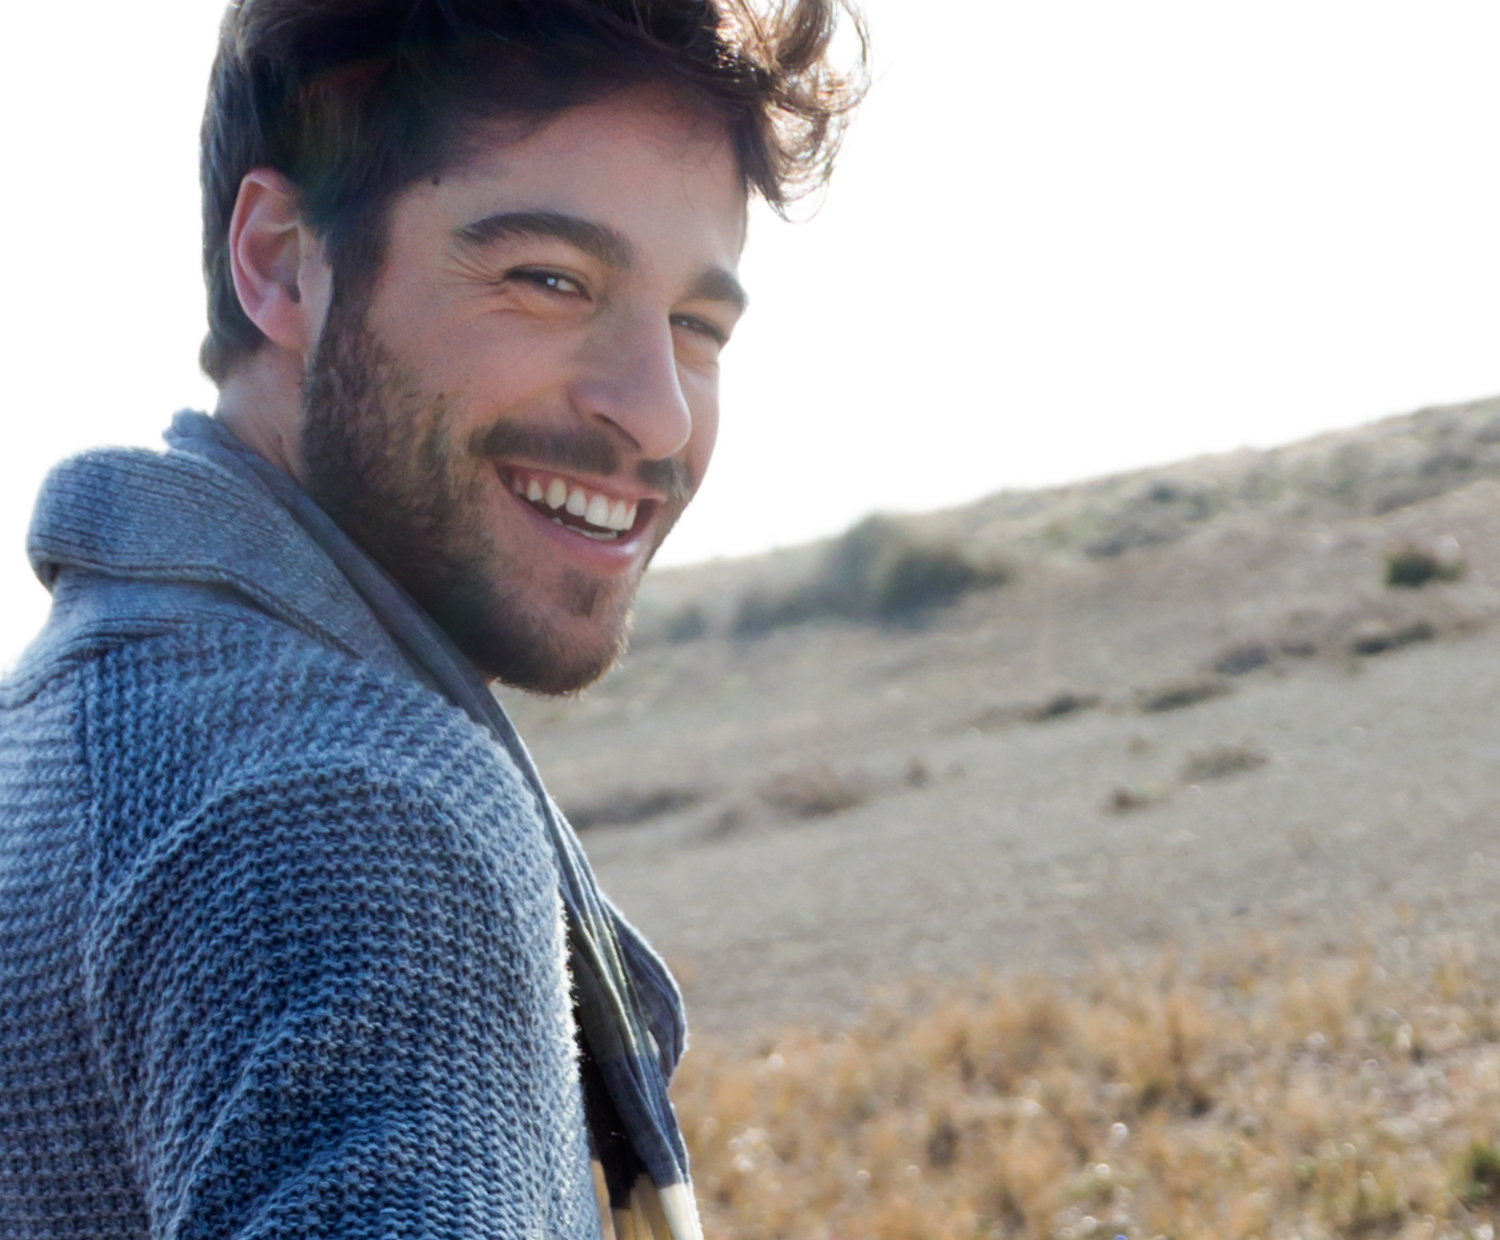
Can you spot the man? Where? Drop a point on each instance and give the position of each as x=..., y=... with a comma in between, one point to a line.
x=292, y=941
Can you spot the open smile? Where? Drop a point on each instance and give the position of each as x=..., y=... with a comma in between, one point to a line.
x=580, y=507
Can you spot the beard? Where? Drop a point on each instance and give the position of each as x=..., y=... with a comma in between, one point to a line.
x=385, y=461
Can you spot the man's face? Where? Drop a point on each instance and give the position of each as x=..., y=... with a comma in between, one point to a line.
x=515, y=416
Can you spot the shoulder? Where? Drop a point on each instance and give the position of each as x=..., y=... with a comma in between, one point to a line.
x=252, y=717
x=234, y=694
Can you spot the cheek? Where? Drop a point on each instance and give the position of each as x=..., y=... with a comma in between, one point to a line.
x=700, y=388
x=705, y=435
x=491, y=372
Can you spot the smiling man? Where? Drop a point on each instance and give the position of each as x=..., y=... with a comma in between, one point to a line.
x=292, y=940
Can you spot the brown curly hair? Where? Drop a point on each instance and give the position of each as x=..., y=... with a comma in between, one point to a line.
x=353, y=100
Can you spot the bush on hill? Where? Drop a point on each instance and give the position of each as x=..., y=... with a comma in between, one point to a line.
x=1412, y=567
x=878, y=571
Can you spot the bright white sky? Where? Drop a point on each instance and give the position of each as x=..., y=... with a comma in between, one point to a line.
x=1067, y=239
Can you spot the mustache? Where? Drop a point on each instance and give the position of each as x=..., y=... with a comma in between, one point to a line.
x=585, y=450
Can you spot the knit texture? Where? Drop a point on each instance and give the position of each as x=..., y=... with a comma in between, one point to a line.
x=281, y=951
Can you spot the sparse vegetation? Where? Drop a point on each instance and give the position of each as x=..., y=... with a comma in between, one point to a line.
x=1060, y=706
x=1222, y=761
x=686, y=624
x=1246, y=657
x=1378, y=638
x=1124, y=800
x=628, y=808
x=814, y=792
x=1247, y=1095
x=922, y=577
x=1411, y=567
x=1180, y=694
x=1385, y=468
x=763, y=609
x=878, y=571
x=1160, y=512
x=1481, y=1175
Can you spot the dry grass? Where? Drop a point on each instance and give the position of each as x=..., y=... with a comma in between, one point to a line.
x=1181, y=694
x=1252, y=1095
x=813, y=792
x=1222, y=761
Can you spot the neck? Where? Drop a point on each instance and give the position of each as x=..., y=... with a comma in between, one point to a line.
x=260, y=404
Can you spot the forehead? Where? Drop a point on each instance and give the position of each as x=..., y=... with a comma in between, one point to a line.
x=642, y=161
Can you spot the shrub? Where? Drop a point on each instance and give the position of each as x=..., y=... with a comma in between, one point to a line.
x=1411, y=568
x=1060, y=706
x=1222, y=761
x=922, y=577
x=687, y=625
x=1181, y=694
x=917, y=774
x=1243, y=658
x=876, y=571
x=1127, y=800
x=628, y=808
x=762, y=610
x=1481, y=1174
x=813, y=792
x=1380, y=638
x=1160, y=513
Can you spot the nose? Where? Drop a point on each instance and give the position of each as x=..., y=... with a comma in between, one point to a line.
x=631, y=383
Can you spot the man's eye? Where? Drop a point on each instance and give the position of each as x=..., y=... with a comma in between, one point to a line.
x=551, y=281
x=701, y=327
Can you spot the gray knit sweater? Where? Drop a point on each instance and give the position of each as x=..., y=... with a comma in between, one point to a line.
x=281, y=952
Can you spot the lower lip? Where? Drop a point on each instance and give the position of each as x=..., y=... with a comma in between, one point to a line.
x=598, y=555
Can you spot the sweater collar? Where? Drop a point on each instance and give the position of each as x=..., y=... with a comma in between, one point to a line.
x=178, y=518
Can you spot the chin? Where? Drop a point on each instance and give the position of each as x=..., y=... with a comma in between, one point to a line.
x=550, y=672
x=550, y=668
x=582, y=638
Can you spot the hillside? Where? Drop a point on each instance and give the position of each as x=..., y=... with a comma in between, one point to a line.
x=1156, y=708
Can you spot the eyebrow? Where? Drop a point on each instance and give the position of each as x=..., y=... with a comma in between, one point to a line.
x=606, y=244
x=716, y=284
x=598, y=240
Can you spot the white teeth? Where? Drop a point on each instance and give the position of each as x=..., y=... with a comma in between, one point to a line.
x=609, y=517
x=597, y=513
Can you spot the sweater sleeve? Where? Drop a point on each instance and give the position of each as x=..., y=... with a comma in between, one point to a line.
x=329, y=1008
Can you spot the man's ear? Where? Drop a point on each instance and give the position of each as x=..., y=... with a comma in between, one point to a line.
x=280, y=275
